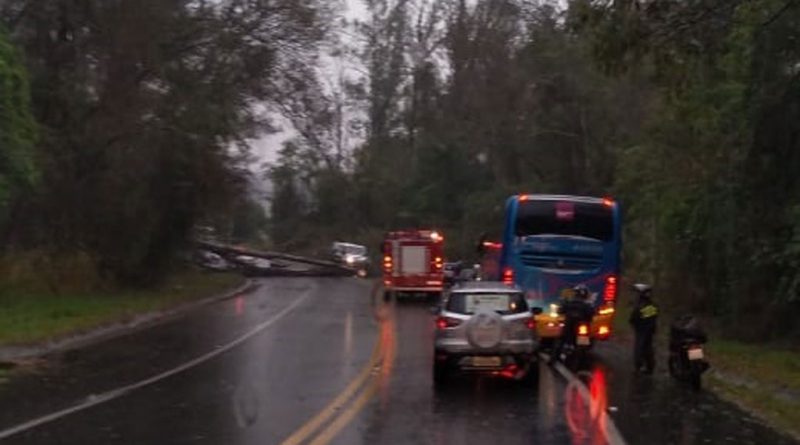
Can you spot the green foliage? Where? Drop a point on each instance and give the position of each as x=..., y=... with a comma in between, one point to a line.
x=467, y=104
x=711, y=184
x=687, y=111
x=17, y=127
x=145, y=108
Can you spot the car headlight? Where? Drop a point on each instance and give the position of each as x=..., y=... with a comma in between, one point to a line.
x=349, y=259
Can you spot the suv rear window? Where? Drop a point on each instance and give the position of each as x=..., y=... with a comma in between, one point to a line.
x=572, y=218
x=502, y=303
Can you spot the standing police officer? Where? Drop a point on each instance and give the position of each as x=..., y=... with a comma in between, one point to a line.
x=643, y=319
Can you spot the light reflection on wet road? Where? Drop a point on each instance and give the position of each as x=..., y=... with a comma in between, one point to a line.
x=267, y=388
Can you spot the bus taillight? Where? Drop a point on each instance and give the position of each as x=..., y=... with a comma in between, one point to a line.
x=508, y=275
x=387, y=263
x=610, y=291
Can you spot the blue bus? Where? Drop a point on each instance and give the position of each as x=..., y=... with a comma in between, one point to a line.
x=552, y=243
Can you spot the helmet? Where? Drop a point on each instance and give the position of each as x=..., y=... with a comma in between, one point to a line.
x=644, y=290
x=581, y=292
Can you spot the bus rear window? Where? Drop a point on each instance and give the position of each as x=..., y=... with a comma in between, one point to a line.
x=565, y=218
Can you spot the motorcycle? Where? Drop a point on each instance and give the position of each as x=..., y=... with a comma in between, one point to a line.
x=575, y=351
x=687, y=361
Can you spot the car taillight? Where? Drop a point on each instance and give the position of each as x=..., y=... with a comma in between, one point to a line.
x=610, y=291
x=447, y=322
x=531, y=323
x=603, y=331
x=508, y=275
x=583, y=329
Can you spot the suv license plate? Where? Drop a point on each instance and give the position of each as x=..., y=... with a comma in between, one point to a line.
x=583, y=340
x=486, y=362
x=695, y=354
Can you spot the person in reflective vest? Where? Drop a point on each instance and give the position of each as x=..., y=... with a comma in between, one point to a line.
x=643, y=319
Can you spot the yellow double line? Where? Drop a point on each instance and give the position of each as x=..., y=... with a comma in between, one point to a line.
x=366, y=381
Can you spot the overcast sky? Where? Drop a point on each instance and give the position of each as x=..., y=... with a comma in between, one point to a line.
x=266, y=148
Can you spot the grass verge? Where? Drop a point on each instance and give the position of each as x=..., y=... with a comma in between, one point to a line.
x=31, y=316
x=762, y=379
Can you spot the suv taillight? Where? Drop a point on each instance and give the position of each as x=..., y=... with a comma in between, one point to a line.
x=531, y=323
x=447, y=322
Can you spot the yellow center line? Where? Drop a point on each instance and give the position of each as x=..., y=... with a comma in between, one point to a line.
x=358, y=404
x=315, y=422
x=388, y=354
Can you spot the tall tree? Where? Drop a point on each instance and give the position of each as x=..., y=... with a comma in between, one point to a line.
x=146, y=108
x=17, y=129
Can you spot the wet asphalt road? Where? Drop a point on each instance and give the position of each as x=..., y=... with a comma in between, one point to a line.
x=269, y=362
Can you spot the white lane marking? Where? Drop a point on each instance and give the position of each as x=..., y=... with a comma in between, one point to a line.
x=119, y=392
x=612, y=433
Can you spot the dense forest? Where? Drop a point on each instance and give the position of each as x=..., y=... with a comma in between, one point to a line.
x=687, y=112
x=126, y=124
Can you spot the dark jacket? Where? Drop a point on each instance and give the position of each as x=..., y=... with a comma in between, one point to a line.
x=576, y=311
x=644, y=317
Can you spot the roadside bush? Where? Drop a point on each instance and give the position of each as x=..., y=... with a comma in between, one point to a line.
x=38, y=271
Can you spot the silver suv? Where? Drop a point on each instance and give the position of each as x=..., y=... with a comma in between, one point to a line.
x=484, y=327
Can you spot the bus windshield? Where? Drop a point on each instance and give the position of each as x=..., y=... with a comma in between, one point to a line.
x=570, y=218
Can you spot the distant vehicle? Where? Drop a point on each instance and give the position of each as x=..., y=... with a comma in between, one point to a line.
x=552, y=243
x=413, y=261
x=484, y=327
x=213, y=261
x=451, y=272
x=469, y=274
x=351, y=255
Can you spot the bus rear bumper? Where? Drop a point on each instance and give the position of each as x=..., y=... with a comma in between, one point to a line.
x=548, y=326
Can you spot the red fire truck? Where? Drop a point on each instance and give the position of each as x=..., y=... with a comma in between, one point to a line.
x=413, y=261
